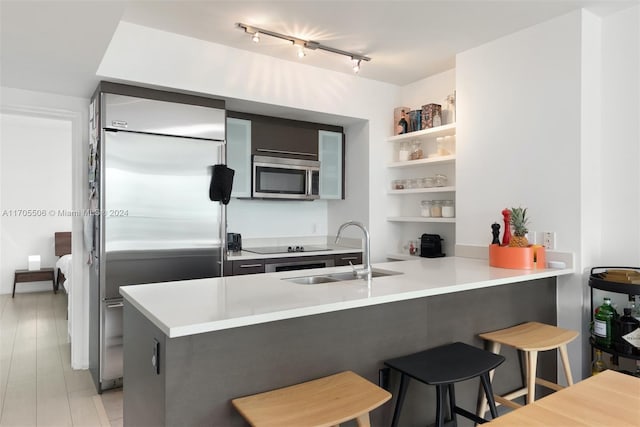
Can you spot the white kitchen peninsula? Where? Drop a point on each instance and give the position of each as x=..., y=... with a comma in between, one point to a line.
x=226, y=337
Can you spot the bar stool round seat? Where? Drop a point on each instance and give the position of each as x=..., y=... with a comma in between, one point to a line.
x=323, y=402
x=443, y=367
x=530, y=338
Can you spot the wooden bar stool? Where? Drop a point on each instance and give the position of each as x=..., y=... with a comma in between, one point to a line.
x=531, y=338
x=323, y=402
x=443, y=367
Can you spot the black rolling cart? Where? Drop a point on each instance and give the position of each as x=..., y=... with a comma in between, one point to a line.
x=598, y=280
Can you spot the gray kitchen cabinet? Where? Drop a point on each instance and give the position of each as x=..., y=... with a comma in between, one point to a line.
x=239, y=155
x=331, y=156
x=277, y=137
x=354, y=258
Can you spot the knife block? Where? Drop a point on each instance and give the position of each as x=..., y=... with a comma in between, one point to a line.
x=517, y=258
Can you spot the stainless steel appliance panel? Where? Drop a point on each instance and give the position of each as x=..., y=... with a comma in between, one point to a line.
x=156, y=191
x=157, y=223
x=111, y=363
x=163, y=118
x=151, y=266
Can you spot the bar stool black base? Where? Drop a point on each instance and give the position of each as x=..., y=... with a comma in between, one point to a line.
x=443, y=367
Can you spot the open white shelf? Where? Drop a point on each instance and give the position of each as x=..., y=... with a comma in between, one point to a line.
x=444, y=130
x=419, y=219
x=424, y=190
x=431, y=160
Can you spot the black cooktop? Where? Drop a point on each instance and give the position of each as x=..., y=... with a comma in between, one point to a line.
x=285, y=249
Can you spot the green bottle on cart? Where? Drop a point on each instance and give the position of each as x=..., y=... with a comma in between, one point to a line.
x=603, y=323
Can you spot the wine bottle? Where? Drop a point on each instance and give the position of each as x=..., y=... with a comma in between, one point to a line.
x=603, y=323
x=598, y=364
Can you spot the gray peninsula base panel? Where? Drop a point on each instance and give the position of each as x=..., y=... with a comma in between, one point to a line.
x=200, y=374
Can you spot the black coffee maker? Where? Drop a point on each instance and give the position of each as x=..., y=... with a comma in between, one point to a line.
x=234, y=242
x=431, y=246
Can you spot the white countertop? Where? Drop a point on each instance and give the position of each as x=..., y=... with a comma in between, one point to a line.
x=196, y=306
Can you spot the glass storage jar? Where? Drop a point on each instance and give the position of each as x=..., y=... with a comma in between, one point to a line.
x=425, y=208
x=440, y=180
x=403, y=152
x=442, y=145
x=398, y=184
x=411, y=183
x=428, y=182
x=448, y=209
x=436, y=208
x=416, y=151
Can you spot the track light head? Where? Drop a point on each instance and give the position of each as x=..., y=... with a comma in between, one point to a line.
x=256, y=37
x=356, y=65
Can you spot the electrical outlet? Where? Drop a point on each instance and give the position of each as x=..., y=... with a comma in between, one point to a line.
x=549, y=240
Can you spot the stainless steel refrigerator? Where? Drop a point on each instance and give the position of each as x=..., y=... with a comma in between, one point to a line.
x=153, y=162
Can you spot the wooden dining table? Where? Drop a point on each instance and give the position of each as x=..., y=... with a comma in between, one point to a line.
x=607, y=399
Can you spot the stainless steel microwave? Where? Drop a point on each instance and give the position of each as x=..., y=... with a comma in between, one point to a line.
x=284, y=178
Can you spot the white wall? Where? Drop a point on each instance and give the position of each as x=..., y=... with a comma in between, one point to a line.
x=153, y=57
x=273, y=218
x=619, y=231
x=518, y=131
x=620, y=153
x=542, y=124
x=74, y=111
x=519, y=143
x=35, y=174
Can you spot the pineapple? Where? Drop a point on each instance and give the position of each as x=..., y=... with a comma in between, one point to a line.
x=519, y=223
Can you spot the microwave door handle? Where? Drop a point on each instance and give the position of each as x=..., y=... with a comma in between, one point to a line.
x=309, y=182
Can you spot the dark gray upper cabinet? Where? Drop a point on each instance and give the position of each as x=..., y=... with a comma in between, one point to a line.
x=277, y=137
x=284, y=139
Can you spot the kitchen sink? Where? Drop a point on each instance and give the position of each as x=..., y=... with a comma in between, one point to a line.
x=337, y=277
x=312, y=280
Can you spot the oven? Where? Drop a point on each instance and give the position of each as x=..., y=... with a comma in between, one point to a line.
x=316, y=262
x=284, y=178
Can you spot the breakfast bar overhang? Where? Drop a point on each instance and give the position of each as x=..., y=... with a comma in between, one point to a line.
x=217, y=339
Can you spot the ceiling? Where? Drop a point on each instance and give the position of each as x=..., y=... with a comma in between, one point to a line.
x=56, y=46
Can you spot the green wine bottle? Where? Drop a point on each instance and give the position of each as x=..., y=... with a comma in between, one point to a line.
x=603, y=323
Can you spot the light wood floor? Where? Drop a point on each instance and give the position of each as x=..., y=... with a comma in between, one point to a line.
x=37, y=385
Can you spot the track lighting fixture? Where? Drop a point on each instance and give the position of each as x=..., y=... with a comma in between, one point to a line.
x=302, y=44
x=356, y=65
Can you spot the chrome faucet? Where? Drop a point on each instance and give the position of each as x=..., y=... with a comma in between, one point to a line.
x=365, y=272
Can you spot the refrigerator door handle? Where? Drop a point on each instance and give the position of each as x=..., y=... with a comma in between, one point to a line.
x=115, y=305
